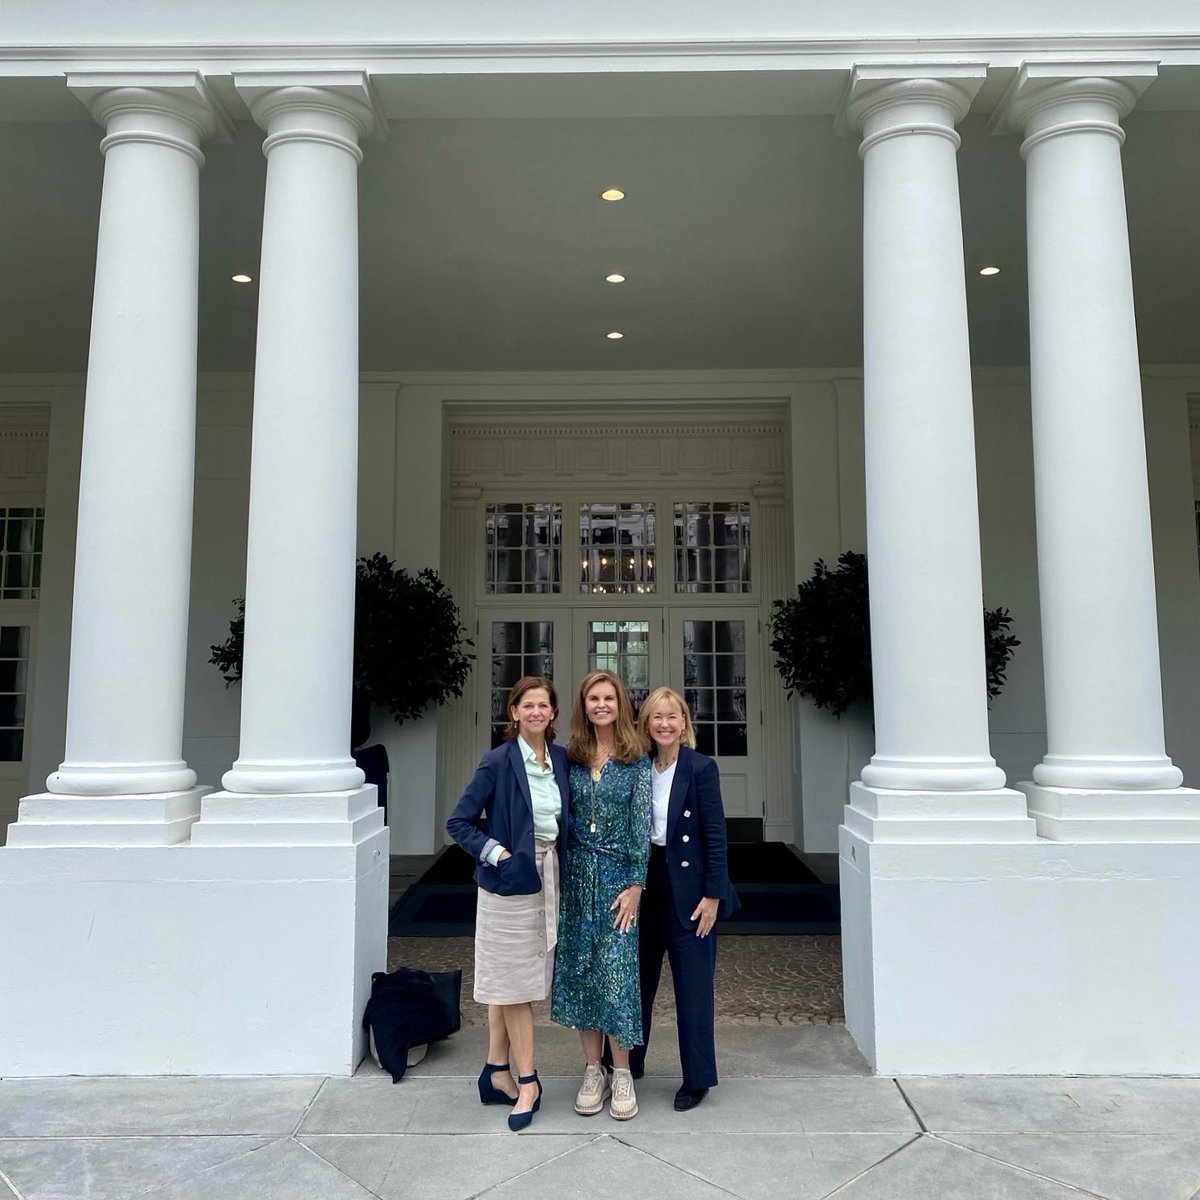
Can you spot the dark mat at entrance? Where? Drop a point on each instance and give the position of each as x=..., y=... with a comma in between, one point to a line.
x=779, y=895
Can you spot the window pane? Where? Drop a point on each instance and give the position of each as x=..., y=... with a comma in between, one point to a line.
x=730, y=637
x=12, y=675
x=617, y=543
x=711, y=541
x=622, y=647
x=705, y=740
x=731, y=740
x=21, y=531
x=521, y=548
x=14, y=670
x=14, y=641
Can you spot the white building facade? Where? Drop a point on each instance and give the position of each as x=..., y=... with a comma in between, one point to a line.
x=195, y=880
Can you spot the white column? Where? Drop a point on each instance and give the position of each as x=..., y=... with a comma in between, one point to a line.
x=932, y=774
x=296, y=673
x=133, y=552
x=1104, y=716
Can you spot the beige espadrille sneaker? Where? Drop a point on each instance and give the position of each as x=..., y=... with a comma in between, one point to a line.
x=624, y=1098
x=593, y=1092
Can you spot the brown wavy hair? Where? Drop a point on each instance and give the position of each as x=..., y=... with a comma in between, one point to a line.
x=529, y=683
x=659, y=696
x=628, y=745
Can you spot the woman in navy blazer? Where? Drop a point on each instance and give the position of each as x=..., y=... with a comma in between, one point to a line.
x=687, y=889
x=521, y=787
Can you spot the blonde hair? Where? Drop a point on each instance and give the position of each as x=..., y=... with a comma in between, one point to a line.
x=528, y=683
x=628, y=744
x=666, y=695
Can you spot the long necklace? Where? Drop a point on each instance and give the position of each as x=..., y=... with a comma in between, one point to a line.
x=597, y=771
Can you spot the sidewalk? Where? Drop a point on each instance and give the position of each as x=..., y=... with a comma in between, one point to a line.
x=797, y=1115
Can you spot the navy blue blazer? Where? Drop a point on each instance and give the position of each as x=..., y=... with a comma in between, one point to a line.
x=696, y=854
x=500, y=788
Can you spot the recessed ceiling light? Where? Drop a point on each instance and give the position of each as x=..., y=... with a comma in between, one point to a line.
x=612, y=194
x=989, y=270
x=241, y=279
x=615, y=335
x=614, y=278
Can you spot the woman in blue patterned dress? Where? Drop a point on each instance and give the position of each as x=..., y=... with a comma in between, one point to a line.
x=596, y=988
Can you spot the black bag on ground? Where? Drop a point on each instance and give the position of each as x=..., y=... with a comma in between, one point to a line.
x=411, y=1008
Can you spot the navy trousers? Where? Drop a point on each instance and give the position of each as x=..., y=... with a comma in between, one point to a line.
x=693, y=962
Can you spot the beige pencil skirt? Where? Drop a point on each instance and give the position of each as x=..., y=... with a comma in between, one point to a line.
x=515, y=938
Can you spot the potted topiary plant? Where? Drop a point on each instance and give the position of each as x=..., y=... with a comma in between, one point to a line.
x=822, y=637
x=409, y=641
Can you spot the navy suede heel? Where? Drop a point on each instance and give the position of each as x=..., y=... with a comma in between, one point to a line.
x=489, y=1094
x=518, y=1121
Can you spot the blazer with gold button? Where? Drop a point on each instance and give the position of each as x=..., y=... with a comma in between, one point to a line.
x=695, y=837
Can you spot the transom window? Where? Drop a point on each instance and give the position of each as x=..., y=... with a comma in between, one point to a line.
x=21, y=532
x=616, y=544
x=712, y=546
x=617, y=549
x=522, y=548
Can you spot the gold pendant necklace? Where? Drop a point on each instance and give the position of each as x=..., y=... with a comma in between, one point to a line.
x=596, y=773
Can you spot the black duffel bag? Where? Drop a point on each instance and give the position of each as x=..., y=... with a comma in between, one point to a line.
x=410, y=1008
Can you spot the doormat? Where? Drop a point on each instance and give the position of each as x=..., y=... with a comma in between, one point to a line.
x=778, y=894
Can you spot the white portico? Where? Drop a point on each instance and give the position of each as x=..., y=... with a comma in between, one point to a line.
x=209, y=870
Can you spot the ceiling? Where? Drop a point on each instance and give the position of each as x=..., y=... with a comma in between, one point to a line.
x=484, y=243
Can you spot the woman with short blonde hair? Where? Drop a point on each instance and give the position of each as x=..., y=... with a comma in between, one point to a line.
x=687, y=888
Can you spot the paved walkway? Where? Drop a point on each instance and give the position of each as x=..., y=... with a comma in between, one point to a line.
x=797, y=1115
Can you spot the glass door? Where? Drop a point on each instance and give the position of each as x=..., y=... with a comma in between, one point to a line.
x=714, y=656
x=512, y=644
x=628, y=643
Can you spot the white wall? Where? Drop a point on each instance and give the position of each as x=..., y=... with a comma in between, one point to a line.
x=48, y=712
x=211, y=714
x=1177, y=572
x=1004, y=457
x=400, y=513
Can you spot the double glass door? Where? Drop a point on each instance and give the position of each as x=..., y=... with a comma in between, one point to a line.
x=708, y=654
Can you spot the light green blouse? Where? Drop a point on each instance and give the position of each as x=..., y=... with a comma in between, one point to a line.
x=543, y=791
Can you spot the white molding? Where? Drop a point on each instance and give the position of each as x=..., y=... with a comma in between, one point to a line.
x=699, y=54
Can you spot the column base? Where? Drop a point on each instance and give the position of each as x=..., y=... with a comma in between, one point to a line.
x=283, y=779
x=304, y=819
x=160, y=819
x=880, y=815
x=120, y=779
x=1036, y=958
x=1079, y=815
x=189, y=960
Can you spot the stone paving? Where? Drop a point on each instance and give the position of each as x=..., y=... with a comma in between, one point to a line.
x=803, y=1129
x=774, y=981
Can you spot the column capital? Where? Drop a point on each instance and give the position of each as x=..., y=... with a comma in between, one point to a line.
x=174, y=108
x=936, y=94
x=1066, y=96
x=312, y=103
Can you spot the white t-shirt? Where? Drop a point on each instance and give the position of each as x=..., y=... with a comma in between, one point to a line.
x=662, y=798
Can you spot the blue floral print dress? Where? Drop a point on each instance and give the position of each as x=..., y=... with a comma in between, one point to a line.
x=596, y=982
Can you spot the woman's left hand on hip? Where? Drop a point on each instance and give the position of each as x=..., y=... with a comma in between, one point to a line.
x=705, y=915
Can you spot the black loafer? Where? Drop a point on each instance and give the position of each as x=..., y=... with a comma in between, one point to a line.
x=688, y=1098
